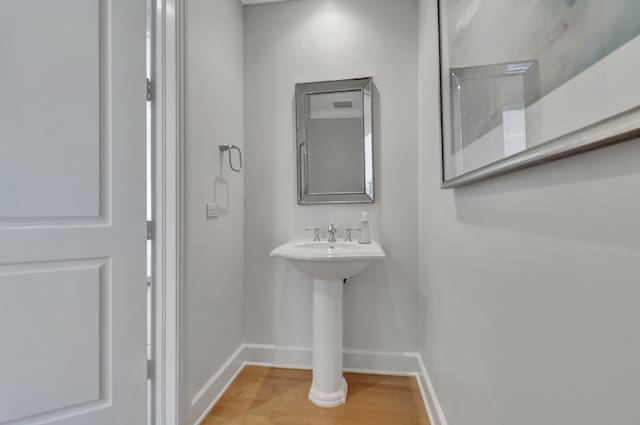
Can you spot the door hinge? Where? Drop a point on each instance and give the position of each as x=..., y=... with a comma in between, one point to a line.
x=149, y=230
x=149, y=90
x=149, y=369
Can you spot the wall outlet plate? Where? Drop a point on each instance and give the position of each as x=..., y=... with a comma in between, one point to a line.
x=212, y=210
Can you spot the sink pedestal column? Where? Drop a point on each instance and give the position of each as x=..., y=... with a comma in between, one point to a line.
x=329, y=388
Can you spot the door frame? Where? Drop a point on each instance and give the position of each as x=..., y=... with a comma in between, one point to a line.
x=168, y=185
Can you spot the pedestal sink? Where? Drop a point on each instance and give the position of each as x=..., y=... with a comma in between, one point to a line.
x=328, y=264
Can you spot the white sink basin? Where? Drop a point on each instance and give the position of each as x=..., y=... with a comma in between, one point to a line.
x=328, y=263
x=329, y=260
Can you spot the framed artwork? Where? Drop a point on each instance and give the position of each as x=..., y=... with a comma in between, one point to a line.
x=525, y=82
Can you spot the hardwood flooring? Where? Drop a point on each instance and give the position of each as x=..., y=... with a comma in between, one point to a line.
x=265, y=396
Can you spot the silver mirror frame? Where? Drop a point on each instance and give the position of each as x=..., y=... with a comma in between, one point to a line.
x=303, y=92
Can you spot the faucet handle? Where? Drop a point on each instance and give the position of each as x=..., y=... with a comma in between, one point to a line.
x=348, y=231
x=316, y=232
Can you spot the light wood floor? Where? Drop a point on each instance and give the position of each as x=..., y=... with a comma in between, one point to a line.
x=264, y=396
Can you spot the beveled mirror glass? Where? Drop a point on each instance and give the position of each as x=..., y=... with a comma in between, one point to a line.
x=335, y=142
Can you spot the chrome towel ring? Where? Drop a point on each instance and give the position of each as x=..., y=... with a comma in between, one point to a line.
x=230, y=148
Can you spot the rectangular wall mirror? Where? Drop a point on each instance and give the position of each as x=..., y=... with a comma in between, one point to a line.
x=335, y=142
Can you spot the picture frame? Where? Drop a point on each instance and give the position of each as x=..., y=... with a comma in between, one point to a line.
x=526, y=83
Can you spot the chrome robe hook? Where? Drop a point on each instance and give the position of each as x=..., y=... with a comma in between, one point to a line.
x=229, y=148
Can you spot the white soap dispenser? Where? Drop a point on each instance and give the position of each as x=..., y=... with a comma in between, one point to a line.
x=365, y=231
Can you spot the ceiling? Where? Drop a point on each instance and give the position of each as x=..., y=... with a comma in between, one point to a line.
x=248, y=2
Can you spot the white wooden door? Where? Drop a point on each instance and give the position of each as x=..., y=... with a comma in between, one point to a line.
x=72, y=212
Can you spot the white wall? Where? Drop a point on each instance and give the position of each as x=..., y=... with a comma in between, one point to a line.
x=213, y=318
x=316, y=40
x=529, y=281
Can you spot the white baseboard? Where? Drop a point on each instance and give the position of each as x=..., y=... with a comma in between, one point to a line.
x=355, y=361
x=278, y=356
x=207, y=397
x=434, y=410
x=380, y=362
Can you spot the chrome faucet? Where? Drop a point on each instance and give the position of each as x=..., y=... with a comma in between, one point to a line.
x=348, y=231
x=332, y=230
x=316, y=233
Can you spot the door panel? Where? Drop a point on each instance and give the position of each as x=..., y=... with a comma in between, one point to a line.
x=51, y=71
x=72, y=212
x=72, y=297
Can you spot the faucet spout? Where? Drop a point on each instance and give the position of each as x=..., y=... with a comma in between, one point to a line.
x=332, y=230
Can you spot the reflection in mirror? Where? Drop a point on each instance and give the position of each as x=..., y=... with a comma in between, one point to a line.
x=335, y=142
x=336, y=129
x=488, y=111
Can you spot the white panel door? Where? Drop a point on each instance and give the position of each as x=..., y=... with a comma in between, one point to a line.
x=72, y=212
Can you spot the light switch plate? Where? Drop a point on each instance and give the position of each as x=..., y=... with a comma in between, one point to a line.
x=212, y=210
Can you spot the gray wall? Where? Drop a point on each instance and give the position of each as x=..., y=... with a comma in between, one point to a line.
x=213, y=294
x=318, y=40
x=530, y=282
